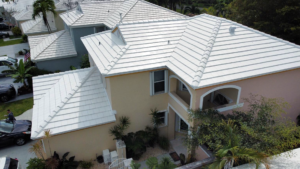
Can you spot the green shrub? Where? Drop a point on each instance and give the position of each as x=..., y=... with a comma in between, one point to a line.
x=85, y=61
x=182, y=159
x=152, y=162
x=37, y=72
x=86, y=164
x=25, y=38
x=72, y=67
x=134, y=165
x=166, y=163
x=21, y=52
x=16, y=31
x=164, y=143
x=36, y=163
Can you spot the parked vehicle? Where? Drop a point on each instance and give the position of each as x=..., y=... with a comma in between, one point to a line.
x=17, y=132
x=9, y=163
x=7, y=92
x=4, y=35
x=4, y=26
x=4, y=61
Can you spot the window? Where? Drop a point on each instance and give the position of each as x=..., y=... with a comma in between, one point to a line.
x=182, y=87
x=162, y=116
x=6, y=127
x=159, y=82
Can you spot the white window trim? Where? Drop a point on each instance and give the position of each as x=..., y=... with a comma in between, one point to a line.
x=181, y=87
x=152, y=83
x=166, y=118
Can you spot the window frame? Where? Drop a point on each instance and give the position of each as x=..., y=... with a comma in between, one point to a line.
x=165, y=118
x=152, y=82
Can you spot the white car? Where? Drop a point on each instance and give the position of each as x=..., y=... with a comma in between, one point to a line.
x=4, y=61
x=9, y=163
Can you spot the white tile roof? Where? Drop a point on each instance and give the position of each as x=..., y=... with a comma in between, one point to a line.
x=25, y=14
x=201, y=50
x=90, y=13
x=17, y=5
x=69, y=101
x=51, y=46
x=108, y=13
x=139, y=10
x=37, y=26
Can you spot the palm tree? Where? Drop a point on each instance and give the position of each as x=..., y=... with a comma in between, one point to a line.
x=37, y=148
x=41, y=7
x=20, y=72
x=227, y=155
x=193, y=8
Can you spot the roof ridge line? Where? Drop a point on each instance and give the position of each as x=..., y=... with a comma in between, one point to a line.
x=67, y=98
x=116, y=59
x=157, y=20
x=165, y=8
x=78, y=17
x=63, y=32
x=206, y=54
x=129, y=10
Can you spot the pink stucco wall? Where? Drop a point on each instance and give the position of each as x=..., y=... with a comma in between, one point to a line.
x=279, y=85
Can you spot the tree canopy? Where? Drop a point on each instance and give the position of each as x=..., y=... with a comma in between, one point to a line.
x=280, y=18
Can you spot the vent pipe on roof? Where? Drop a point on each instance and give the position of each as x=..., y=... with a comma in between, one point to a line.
x=232, y=29
x=108, y=11
x=168, y=42
x=120, y=17
x=99, y=43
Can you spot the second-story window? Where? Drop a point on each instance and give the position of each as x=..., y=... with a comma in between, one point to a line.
x=159, y=82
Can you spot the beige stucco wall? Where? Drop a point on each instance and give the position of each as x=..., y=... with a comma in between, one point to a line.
x=59, y=22
x=279, y=85
x=84, y=144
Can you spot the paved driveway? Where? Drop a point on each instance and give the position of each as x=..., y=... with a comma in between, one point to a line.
x=11, y=50
x=20, y=152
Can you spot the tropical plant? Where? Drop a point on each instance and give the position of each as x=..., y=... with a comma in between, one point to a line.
x=192, y=8
x=155, y=119
x=52, y=163
x=25, y=38
x=152, y=162
x=227, y=155
x=166, y=163
x=21, y=52
x=135, y=146
x=16, y=31
x=134, y=165
x=20, y=72
x=85, y=61
x=72, y=67
x=210, y=10
x=298, y=120
x=86, y=164
x=37, y=148
x=35, y=163
x=64, y=162
x=42, y=7
x=47, y=135
x=164, y=143
x=118, y=130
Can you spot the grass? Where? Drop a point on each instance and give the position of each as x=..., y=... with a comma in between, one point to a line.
x=12, y=42
x=17, y=107
x=13, y=37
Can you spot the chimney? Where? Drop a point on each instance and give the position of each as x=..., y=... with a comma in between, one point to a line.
x=120, y=17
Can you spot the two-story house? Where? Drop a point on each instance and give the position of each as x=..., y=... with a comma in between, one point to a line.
x=169, y=64
x=89, y=18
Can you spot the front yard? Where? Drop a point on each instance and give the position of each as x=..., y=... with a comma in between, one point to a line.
x=17, y=107
x=11, y=42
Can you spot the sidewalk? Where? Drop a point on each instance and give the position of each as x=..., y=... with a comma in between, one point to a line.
x=27, y=115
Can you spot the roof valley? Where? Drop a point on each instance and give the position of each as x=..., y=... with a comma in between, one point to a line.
x=206, y=54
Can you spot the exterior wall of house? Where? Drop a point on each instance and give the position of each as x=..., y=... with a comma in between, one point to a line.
x=278, y=85
x=77, y=33
x=130, y=96
x=58, y=64
x=59, y=22
x=83, y=144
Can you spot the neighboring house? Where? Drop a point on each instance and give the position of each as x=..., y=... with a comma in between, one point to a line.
x=37, y=26
x=22, y=16
x=97, y=16
x=170, y=64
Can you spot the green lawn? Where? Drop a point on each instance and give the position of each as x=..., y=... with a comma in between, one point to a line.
x=17, y=107
x=12, y=42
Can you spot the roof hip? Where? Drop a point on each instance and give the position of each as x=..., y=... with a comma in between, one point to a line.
x=206, y=54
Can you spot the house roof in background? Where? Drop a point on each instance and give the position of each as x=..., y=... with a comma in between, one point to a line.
x=90, y=13
x=37, y=26
x=69, y=101
x=202, y=50
x=25, y=14
x=139, y=10
x=18, y=6
x=108, y=13
x=51, y=46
